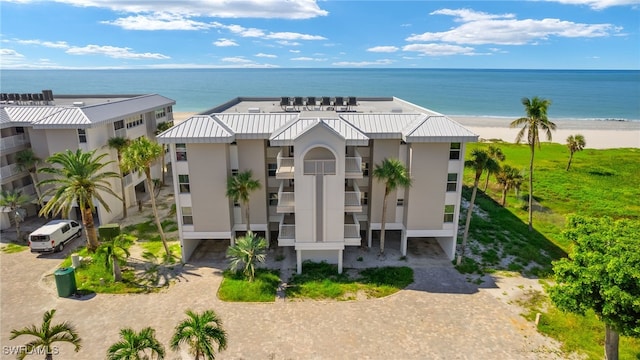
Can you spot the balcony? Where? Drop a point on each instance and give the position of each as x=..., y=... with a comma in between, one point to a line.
x=9, y=171
x=286, y=199
x=122, y=133
x=352, y=199
x=324, y=167
x=13, y=141
x=353, y=167
x=285, y=168
x=287, y=231
x=351, y=230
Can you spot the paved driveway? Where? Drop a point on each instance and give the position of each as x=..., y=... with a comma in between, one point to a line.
x=440, y=316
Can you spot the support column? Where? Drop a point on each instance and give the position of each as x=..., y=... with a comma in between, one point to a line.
x=403, y=242
x=340, y=253
x=267, y=235
x=233, y=238
x=369, y=240
x=299, y=261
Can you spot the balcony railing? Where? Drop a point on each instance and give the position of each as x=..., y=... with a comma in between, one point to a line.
x=352, y=199
x=13, y=141
x=28, y=190
x=285, y=168
x=287, y=231
x=324, y=167
x=286, y=200
x=121, y=133
x=351, y=227
x=9, y=171
x=353, y=167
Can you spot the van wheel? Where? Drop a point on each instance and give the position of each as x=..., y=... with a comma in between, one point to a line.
x=60, y=247
x=79, y=234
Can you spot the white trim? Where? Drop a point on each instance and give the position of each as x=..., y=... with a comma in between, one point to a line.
x=203, y=235
x=430, y=233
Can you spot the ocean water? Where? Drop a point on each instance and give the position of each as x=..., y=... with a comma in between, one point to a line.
x=575, y=94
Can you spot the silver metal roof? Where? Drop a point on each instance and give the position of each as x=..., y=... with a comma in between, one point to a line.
x=287, y=135
x=255, y=126
x=25, y=115
x=198, y=129
x=440, y=129
x=383, y=126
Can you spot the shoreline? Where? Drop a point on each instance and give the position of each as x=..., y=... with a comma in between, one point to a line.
x=599, y=134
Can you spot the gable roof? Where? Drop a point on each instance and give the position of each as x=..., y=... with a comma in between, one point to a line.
x=198, y=129
x=440, y=129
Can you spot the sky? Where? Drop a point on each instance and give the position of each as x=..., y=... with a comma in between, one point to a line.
x=155, y=34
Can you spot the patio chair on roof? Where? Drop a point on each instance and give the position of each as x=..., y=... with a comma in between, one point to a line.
x=311, y=102
x=284, y=102
x=326, y=101
x=352, y=101
x=339, y=101
x=298, y=102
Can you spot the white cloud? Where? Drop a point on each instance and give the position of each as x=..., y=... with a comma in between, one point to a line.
x=225, y=43
x=49, y=44
x=439, y=49
x=294, y=51
x=598, y=4
x=237, y=60
x=265, y=55
x=10, y=53
x=158, y=21
x=383, y=49
x=288, y=43
x=259, y=33
x=114, y=52
x=482, y=28
x=363, y=63
x=293, y=36
x=306, y=58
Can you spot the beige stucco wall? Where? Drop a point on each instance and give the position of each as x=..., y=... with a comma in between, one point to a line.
x=251, y=156
x=426, y=197
x=380, y=150
x=208, y=172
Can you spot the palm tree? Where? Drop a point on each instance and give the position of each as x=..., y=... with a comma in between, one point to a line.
x=497, y=155
x=163, y=126
x=78, y=178
x=46, y=336
x=14, y=200
x=134, y=346
x=200, y=332
x=535, y=121
x=27, y=160
x=247, y=250
x=139, y=156
x=393, y=174
x=239, y=187
x=119, y=143
x=508, y=177
x=114, y=252
x=480, y=160
x=575, y=143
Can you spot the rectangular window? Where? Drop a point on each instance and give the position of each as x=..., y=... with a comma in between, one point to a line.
x=82, y=135
x=400, y=202
x=134, y=121
x=448, y=213
x=454, y=151
x=181, y=152
x=183, y=181
x=452, y=182
x=19, y=130
x=234, y=172
x=364, y=198
x=187, y=216
x=273, y=199
x=365, y=168
x=160, y=113
x=118, y=125
x=271, y=169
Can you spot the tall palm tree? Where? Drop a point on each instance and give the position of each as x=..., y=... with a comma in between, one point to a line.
x=139, y=156
x=135, y=345
x=497, y=155
x=14, y=200
x=78, y=178
x=394, y=175
x=27, y=160
x=200, y=332
x=479, y=162
x=163, y=126
x=535, y=121
x=575, y=143
x=239, y=188
x=119, y=143
x=115, y=250
x=508, y=177
x=247, y=250
x=46, y=336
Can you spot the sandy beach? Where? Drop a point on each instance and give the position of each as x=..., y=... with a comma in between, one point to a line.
x=599, y=134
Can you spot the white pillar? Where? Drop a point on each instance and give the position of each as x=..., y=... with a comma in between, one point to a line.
x=403, y=242
x=299, y=261
x=267, y=235
x=233, y=238
x=369, y=236
x=340, y=253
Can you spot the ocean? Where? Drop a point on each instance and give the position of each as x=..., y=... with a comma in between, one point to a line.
x=575, y=94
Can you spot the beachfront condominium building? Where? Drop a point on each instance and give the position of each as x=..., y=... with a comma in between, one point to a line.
x=47, y=125
x=314, y=158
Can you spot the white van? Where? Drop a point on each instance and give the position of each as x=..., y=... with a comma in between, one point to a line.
x=54, y=235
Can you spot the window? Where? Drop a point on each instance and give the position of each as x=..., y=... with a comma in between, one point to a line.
x=181, y=152
x=272, y=168
x=400, y=202
x=82, y=135
x=19, y=130
x=118, y=125
x=160, y=113
x=134, y=121
x=365, y=168
x=364, y=198
x=187, y=216
x=454, y=151
x=183, y=181
x=234, y=172
x=452, y=182
x=448, y=213
x=169, y=109
x=273, y=199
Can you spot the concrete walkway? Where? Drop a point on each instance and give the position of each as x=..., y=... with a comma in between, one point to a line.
x=440, y=316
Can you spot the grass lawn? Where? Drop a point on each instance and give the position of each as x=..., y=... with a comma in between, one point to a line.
x=263, y=288
x=13, y=248
x=322, y=281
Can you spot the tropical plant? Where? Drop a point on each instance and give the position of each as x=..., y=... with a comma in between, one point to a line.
x=119, y=143
x=27, y=160
x=535, y=121
x=14, y=200
x=497, y=155
x=575, y=143
x=479, y=162
x=161, y=127
x=46, y=336
x=115, y=251
x=247, y=250
x=133, y=345
x=139, y=156
x=200, y=332
x=239, y=188
x=78, y=178
x=393, y=174
x=601, y=275
x=508, y=177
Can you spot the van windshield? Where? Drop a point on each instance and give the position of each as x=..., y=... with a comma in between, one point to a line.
x=39, y=238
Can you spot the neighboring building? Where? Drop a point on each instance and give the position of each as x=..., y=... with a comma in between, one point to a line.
x=48, y=125
x=314, y=159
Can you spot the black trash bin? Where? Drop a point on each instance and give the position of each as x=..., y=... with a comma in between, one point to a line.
x=65, y=281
